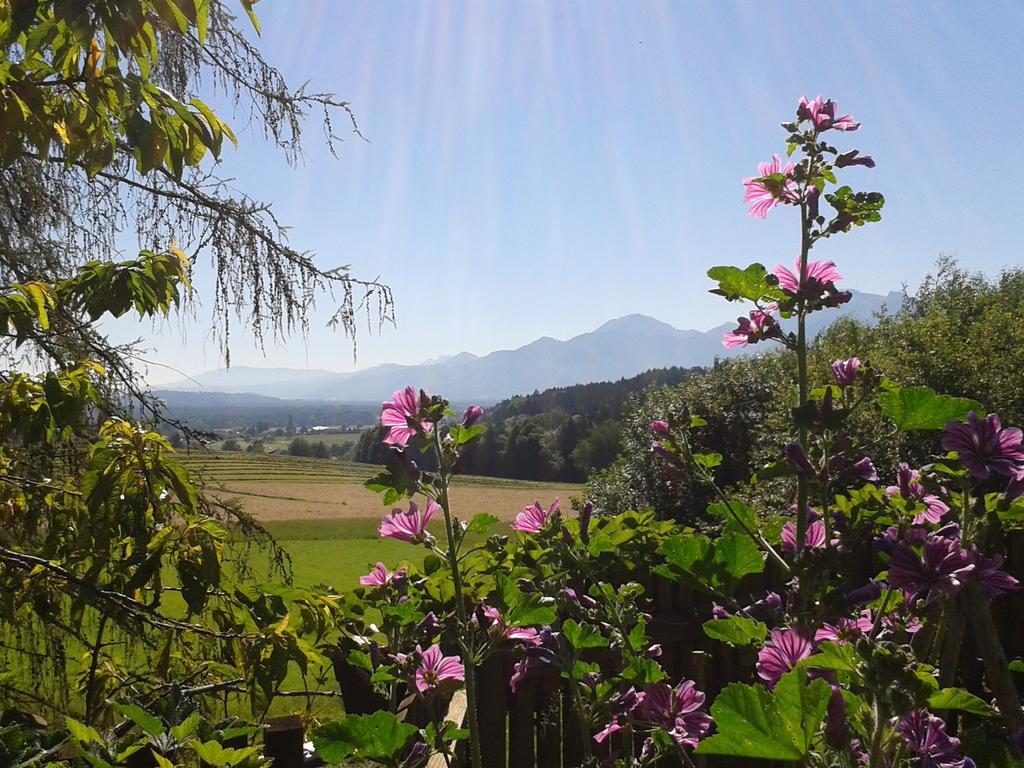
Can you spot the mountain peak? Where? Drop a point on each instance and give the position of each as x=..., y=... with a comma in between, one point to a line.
x=635, y=323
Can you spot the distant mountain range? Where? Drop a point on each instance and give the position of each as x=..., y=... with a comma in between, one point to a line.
x=619, y=348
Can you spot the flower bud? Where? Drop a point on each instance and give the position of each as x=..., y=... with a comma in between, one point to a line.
x=659, y=427
x=472, y=415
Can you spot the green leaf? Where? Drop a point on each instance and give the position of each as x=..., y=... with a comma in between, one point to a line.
x=380, y=736
x=81, y=732
x=147, y=722
x=718, y=566
x=780, y=725
x=520, y=609
x=921, y=408
x=482, y=523
x=840, y=658
x=746, y=515
x=960, y=700
x=217, y=755
x=582, y=636
x=736, y=630
x=750, y=283
x=1017, y=665
x=707, y=460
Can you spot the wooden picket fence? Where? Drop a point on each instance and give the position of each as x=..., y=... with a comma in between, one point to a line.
x=535, y=727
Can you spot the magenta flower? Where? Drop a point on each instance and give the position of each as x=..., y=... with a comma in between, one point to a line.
x=532, y=519
x=785, y=649
x=758, y=327
x=435, y=668
x=762, y=195
x=499, y=629
x=822, y=114
x=821, y=276
x=814, y=536
x=909, y=486
x=408, y=526
x=677, y=711
x=400, y=416
x=614, y=726
x=472, y=415
x=986, y=570
x=845, y=630
x=925, y=735
x=1015, y=488
x=941, y=569
x=984, y=446
x=659, y=427
x=380, y=577
x=845, y=372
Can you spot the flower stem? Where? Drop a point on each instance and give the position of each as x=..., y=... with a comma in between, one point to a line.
x=803, y=488
x=466, y=641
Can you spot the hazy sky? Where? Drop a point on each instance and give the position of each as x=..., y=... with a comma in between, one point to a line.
x=537, y=168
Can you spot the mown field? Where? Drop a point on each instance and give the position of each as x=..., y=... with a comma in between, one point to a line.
x=323, y=516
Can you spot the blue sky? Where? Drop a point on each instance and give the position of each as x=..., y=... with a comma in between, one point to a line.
x=537, y=168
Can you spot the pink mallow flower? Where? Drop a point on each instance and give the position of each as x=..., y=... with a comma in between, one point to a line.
x=785, y=649
x=677, y=711
x=399, y=416
x=408, y=525
x=822, y=113
x=925, y=735
x=762, y=196
x=987, y=570
x=942, y=567
x=532, y=519
x=821, y=275
x=814, y=536
x=845, y=372
x=527, y=636
x=758, y=327
x=909, y=486
x=659, y=427
x=380, y=577
x=435, y=668
x=984, y=446
x=845, y=630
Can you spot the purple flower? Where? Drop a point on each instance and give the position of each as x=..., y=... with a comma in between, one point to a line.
x=417, y=754
x=814, y=536
x=532, y=519
x=499, y=629
x=984, y=446
x=853, y=157
x=785, y=649
x=821, y=276
x=435, y=668
x=845, y=372
x=400, y=416
x=762, y=195
x=1015, y=488
x=472, y=415
x=822, y=114
x=986, y=570
x=758, y=327
x=677, y=711
x=811, y=197
x=659, y=427
x=925, y=735
x=614, y=726
x=835, y=717
x=845, y=630
x=408, y=526
x=864, y=470
x=941, y=569
x=380, y=577
x=909, y=486
x=797, y=457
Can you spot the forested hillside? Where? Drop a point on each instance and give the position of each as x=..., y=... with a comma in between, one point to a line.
x=563, y=434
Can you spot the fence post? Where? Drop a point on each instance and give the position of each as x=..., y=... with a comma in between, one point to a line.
x=283, y=739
